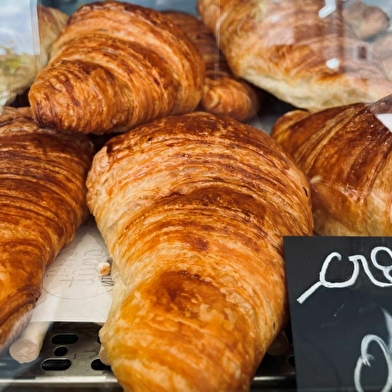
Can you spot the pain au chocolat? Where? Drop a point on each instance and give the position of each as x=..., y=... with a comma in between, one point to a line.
x=193, y=209
x=114, y=66
x=42, y=202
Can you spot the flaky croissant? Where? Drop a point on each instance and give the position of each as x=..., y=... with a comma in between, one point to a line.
x=114, y=66
x=193, y=209
x=300, y=51
x=42, y=202
x=346, y=154
x=223, y=93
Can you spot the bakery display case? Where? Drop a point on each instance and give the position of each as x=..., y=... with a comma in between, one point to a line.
x=157, y=158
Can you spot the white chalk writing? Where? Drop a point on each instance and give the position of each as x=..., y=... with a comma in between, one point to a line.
x=356, y=260
x=366, y=358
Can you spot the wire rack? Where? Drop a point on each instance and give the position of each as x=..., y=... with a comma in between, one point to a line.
x=69, y=360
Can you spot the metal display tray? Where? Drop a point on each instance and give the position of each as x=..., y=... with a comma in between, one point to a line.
x=69, y=360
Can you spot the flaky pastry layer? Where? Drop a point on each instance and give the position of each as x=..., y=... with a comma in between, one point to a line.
x=193, y=210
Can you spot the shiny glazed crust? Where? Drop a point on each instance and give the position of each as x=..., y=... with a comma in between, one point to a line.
x=346, y=154
x=193, y=209
x=114, y=66
x=223, y=93
x=42, y=202
x=284, y=47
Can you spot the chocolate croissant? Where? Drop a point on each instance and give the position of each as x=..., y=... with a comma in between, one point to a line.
x=300, y=51
x=346, y=154
x=42, y=202
x=223, y=93
x=193, y=209
x=114, y=66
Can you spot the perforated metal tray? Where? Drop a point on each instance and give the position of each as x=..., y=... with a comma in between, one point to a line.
x=69, y=360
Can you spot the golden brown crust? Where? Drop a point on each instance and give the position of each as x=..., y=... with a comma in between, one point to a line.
x=285, y=48
x=51, y=21
x=42, y=202
x=190, y=208
x=117, y=65
x=223, y=92
x=346, y=154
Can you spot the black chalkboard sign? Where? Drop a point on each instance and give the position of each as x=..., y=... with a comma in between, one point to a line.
x=340, y=295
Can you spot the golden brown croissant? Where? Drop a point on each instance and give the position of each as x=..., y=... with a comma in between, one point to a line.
x=19, y=69
x=114, y=66
x=193, y=209
x=223, y=92
x=51, y=21
x=42, y=202
x=299, y=51
x=346, y=154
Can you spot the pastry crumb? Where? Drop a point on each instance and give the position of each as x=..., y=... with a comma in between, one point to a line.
x=104, y=268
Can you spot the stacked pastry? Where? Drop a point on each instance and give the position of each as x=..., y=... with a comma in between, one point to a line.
x=114, y=66
x=193, y=209
x=300, y=51
x=42, y=203
x=346, y=154
x=223, y=93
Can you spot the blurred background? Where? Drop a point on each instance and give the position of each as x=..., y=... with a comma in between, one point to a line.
x=69, y=6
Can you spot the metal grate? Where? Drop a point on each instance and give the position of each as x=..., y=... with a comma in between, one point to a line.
x=69, y=359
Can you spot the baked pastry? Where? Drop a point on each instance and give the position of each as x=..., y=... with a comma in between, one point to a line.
x=366, y=21
x=114, y=66
x=51, y=22
x=223, y=93
x=300, y=51
x=193, y=209
x=19, y=69
x=382, y=50
x=346, y=154
x=42, y=202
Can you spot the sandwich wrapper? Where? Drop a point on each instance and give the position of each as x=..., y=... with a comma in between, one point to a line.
x=73, y=290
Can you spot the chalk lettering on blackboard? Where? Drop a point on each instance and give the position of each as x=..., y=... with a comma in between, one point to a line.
x=366, y=358
x=356, y=260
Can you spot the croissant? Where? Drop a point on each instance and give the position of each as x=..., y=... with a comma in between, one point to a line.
x=19, y=69
x=300, y=51
x=193, y=209
x=346, y=154
x=366, y=21
x=42, y=202
x=382, y=50
x=223, y=93
x=51, y=22
x=114, y=66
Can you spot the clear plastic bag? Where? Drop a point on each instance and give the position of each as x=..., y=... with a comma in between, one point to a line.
x=20, y=57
